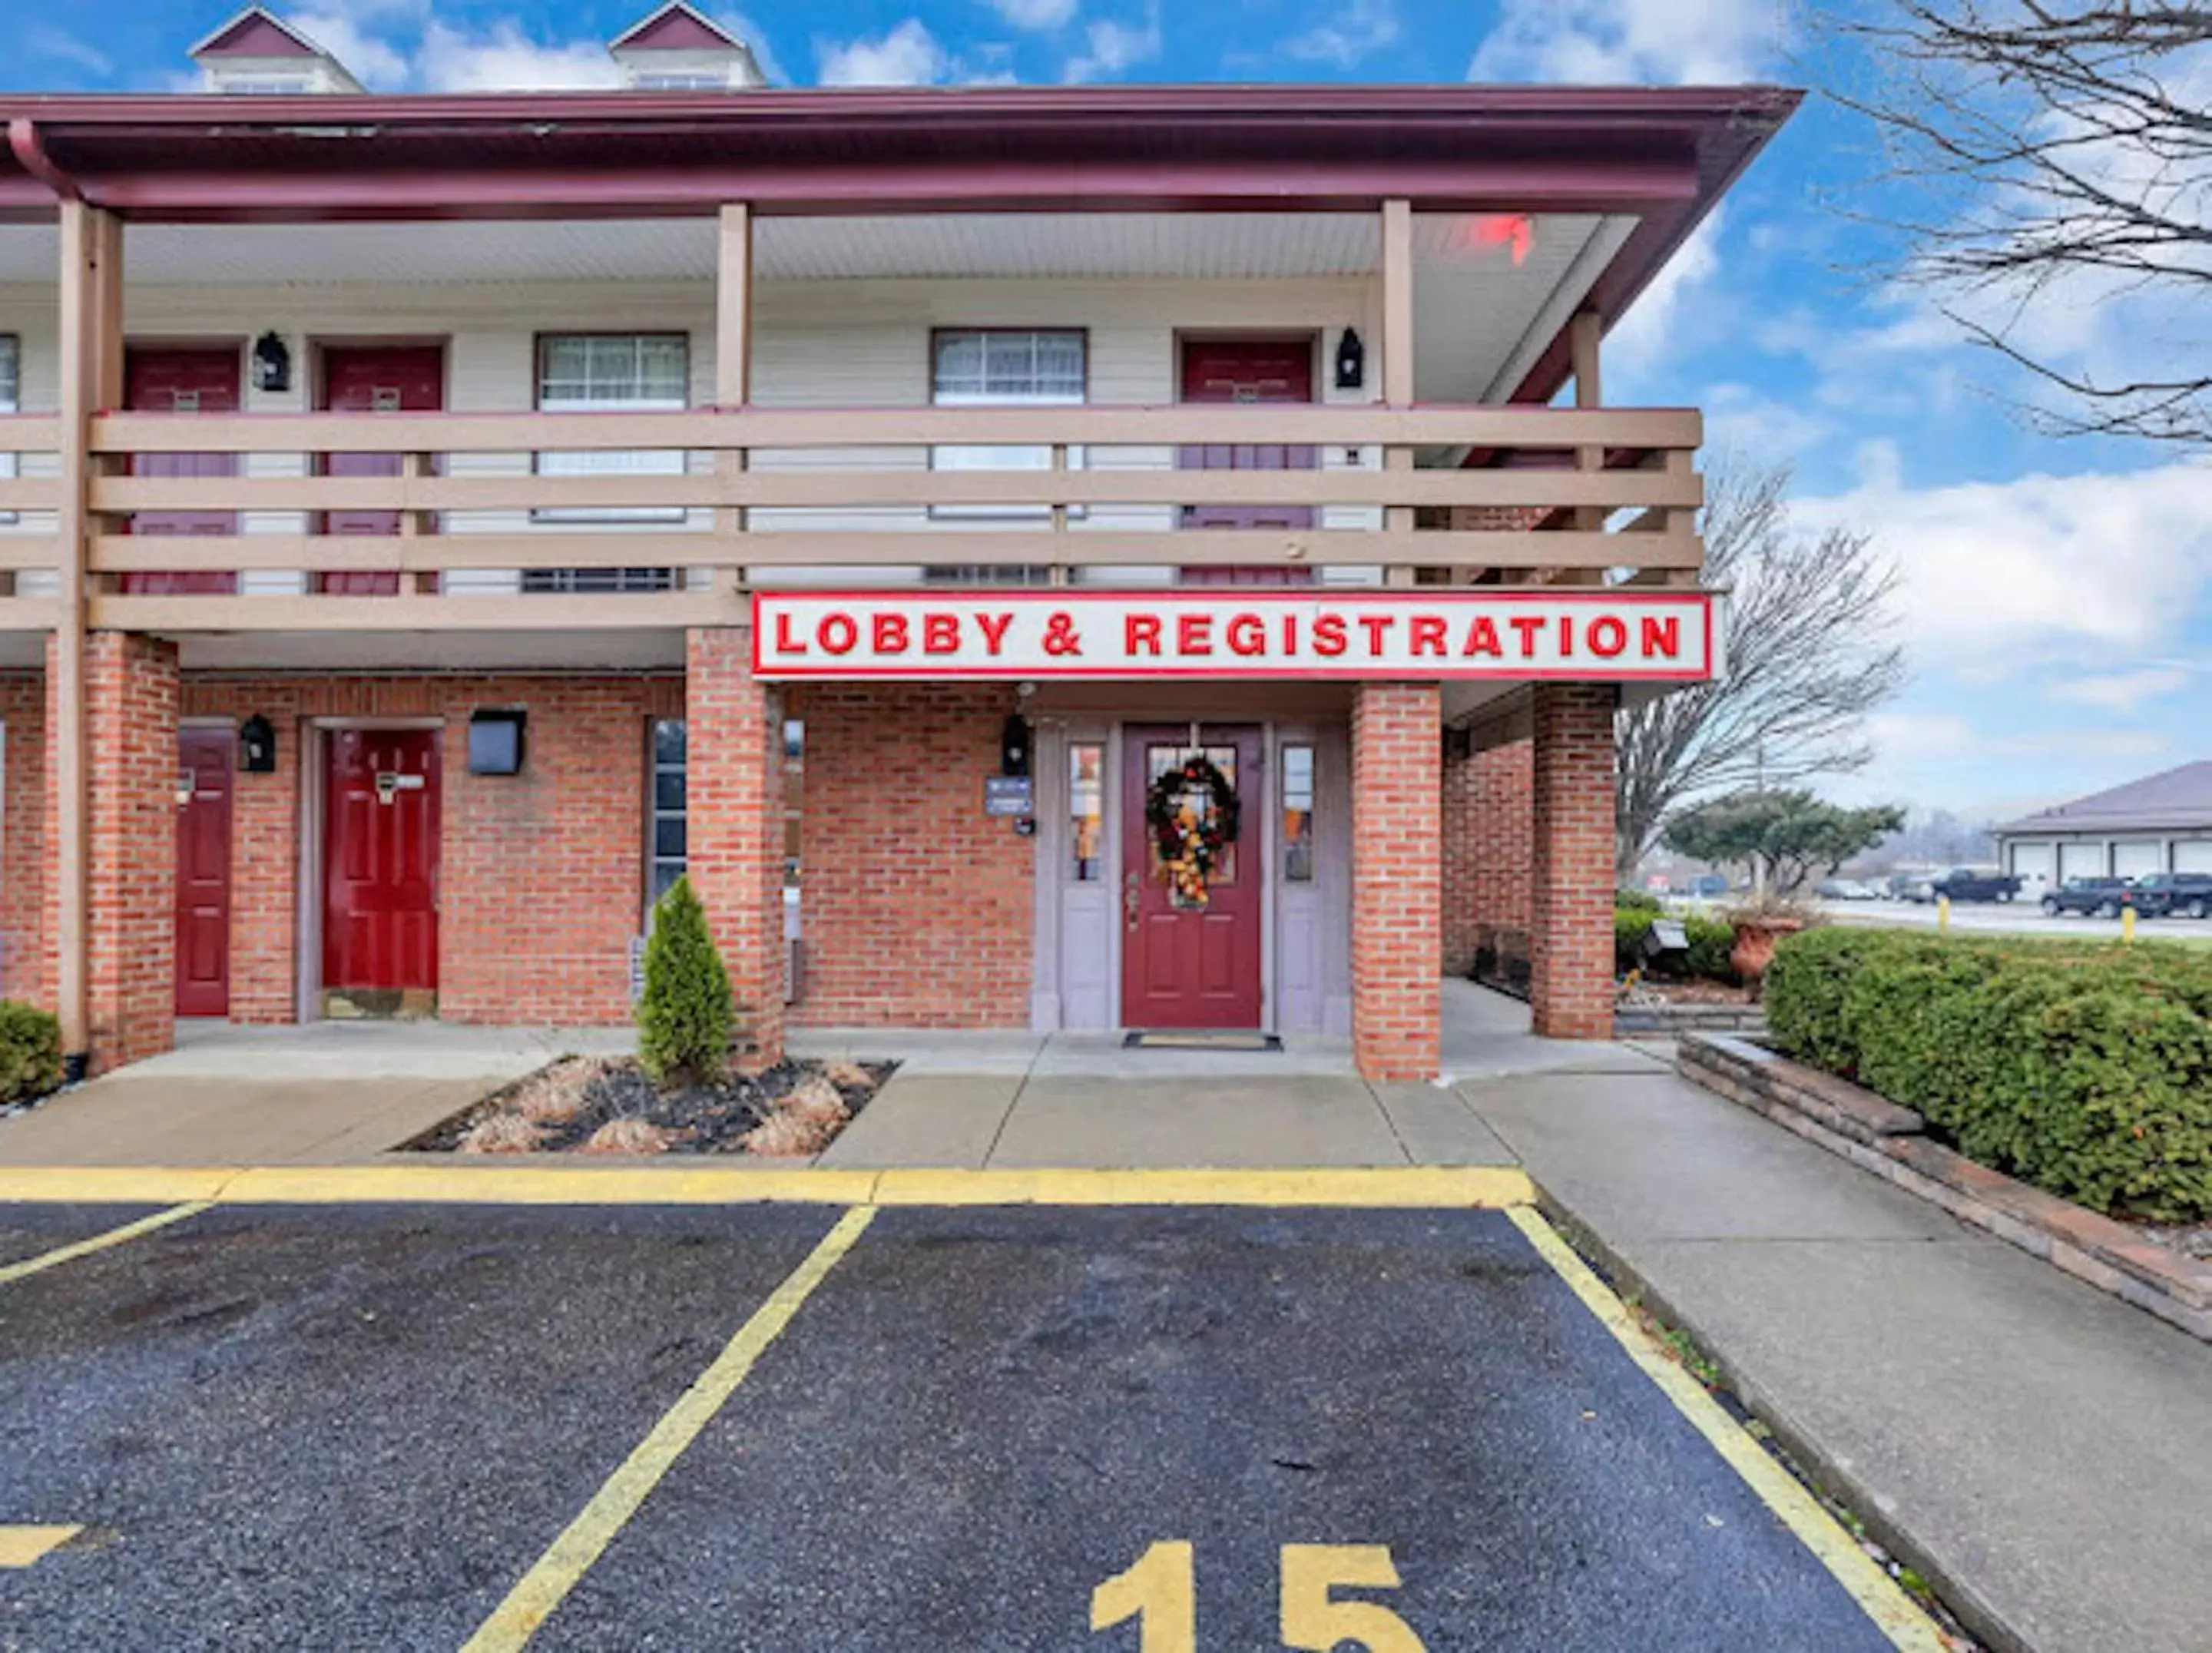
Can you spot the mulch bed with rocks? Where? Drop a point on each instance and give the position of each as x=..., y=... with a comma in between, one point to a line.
x=606, y=1105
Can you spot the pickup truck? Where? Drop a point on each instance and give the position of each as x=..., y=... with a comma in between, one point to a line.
x=1970, y=884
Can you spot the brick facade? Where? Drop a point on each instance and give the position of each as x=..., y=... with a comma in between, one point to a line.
x=1570, y=952
x=916, y=910
x=25, y=969
x=1489, y=825
x=1397, y=829
x=735, y=805
x=541, y=875
x=131, y=691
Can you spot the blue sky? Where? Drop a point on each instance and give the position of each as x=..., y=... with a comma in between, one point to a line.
x=2056, y=597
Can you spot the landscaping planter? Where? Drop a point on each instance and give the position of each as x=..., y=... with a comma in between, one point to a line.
x=1878, y=1135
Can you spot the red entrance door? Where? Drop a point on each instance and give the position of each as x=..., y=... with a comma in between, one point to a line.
x=1237, y=371
x=380, y=860
x=203, y=380
x=374, y=379
x=203, y=873
x=1183, y=964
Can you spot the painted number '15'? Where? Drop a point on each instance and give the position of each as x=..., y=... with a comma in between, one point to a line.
x=1161, y=1592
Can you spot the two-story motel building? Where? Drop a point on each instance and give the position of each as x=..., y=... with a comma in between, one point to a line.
x=429, y=524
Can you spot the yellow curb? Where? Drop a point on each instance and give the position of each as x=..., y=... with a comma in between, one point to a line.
x=1896, y=1614
x=1487, y=1187
x=24, y=1547
x=1484, y=1186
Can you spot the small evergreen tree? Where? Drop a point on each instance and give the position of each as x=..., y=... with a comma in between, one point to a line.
x=685, y=1016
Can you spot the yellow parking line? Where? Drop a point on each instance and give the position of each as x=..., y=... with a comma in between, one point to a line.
x=62, y=1253
x=19, y=1547
x=543, y=1589
x=686, y=1182
x=1894, y=1612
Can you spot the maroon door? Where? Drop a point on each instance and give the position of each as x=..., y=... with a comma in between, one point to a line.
x=203, y=873
x=380, y=860
x=1247, y=370
x=198, y=381
x=374, y=379
x=1184, y=964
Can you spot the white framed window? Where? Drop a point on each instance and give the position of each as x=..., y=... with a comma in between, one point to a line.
x=999, y=366
x=666, y=826
x=11, y=369
x=613, y=373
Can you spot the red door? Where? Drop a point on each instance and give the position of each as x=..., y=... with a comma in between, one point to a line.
x=1279, y=370
x=1184, y=964
x=374, y=379
x=201, y=381
x=203, y=873
x=380, y=860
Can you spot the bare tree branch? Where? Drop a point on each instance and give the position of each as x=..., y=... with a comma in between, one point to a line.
x=1809, y=656
x=2049, y=141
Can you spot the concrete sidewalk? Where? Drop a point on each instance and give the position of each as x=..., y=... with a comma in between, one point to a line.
x=2040, y=1449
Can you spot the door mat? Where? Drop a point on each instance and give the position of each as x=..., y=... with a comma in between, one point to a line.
x=1199, y=1039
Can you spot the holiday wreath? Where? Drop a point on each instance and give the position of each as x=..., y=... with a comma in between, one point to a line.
x=1189, y=838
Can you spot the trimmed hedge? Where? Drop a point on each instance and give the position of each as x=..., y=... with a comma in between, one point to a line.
x=1712, y=940
x=30, y=1051
x=2084, y=1068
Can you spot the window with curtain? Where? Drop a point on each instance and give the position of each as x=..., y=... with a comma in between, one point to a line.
x=984, y=367
x=11, y=352
x=614, y=373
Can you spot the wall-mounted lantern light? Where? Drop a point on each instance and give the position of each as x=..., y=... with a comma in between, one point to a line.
x=272, y=364
x=1351, y=360
x=1014, y=746
x=496, y=742
x=256, y=745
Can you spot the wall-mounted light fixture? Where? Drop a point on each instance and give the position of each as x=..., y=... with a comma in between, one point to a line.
x=272, y=364
x=1351, y=360
x=1014, y=746
x=495, y=741
x=257, y=746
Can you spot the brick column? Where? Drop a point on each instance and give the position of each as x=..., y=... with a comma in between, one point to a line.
x=1397, y=840
x=734, y=803
x=1570, y=942
x=131, y=728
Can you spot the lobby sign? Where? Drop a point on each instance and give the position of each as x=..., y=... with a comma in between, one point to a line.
x=1222, y=632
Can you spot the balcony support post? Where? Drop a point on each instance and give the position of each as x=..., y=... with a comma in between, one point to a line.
x=1397, y=353
x=733, y=363
x=1585, y=333
x=91, y=326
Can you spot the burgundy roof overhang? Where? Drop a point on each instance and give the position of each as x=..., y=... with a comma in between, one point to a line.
x=1664, y=154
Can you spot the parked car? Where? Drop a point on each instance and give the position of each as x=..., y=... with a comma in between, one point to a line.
x=2099, y=898
x=1708, y=886
x=1970, y=884
x=1908, y=886
x=2163, y=895
x=1847, y=890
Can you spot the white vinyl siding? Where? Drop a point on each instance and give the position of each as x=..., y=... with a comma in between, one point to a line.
x=11, y=365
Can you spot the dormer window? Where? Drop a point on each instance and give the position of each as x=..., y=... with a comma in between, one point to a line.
x=676, y=49
x=257, y=54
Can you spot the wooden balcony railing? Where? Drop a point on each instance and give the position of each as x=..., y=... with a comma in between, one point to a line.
x=763, y=489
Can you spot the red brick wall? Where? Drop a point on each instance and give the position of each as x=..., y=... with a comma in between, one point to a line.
x=1570, y=952
x=916, y=910
x=25, y=972
x=1489, y=821
x=130, y=737
x=1397, y=830
x=734, y=800
x=541, y=875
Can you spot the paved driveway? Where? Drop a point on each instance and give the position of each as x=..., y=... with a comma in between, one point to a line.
x=799, y=1428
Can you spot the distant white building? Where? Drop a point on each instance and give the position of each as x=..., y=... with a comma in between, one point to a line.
x=2161, y=823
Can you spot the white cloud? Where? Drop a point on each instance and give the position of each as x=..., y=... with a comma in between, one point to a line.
x=1355, y=31
x=2017, y=574
x=1679, y=42
x=373, y=61
x=2123, y=691
x=908, y=56
x=1113, y=47
x=1655, y=321
x=1035, y=15
x=503, y=58
x=42, y=41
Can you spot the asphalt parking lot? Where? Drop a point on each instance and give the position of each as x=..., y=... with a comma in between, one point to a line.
x=386, y=1427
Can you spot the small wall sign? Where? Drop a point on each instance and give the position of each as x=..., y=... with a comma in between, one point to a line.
x=1009, y=794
